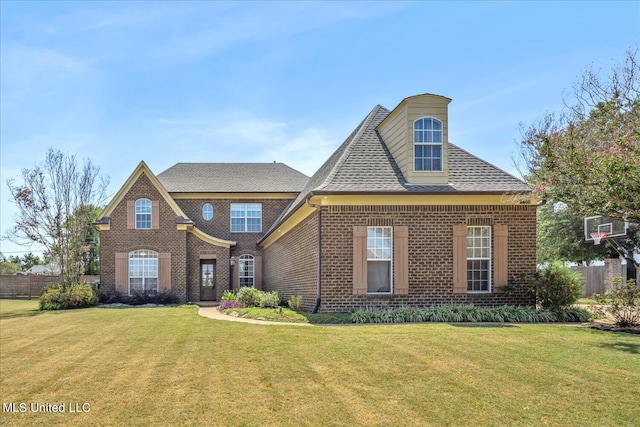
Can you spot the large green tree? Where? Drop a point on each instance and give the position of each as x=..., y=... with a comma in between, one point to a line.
x=588, y=155
x=560, y=235
x=26, y=261
x=52, y=203
x=8, y=268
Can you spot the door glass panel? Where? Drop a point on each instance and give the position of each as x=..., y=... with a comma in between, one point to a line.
x=207, y=275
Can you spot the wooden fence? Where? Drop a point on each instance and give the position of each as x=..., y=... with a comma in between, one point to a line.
x=30, y=286
x=597, y=278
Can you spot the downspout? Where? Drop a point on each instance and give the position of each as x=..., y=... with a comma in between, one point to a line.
x=187, y=275
x=319, y=269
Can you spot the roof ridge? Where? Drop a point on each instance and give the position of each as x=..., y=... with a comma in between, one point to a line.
x=347, y=150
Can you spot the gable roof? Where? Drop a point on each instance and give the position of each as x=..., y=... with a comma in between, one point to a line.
x=364, y=165
x=232, y=178
x=141, y=169
x=181, y=217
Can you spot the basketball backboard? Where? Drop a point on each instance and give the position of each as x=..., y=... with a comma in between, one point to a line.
x=601, y=224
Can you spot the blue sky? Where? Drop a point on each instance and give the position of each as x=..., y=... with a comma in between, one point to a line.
x=166, y=82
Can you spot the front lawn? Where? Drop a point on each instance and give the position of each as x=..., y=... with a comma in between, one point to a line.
x=18, y=307
x=290, y=316
x=169, y=366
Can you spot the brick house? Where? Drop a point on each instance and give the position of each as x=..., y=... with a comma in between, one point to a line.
x=396, y=216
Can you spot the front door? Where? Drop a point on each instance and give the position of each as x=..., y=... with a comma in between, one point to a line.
x=207, y=280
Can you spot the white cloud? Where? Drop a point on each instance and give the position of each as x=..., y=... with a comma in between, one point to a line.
x=305, y=151
x=237, y=137
x=29, y=69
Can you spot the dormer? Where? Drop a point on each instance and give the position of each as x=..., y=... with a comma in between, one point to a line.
x=416, y=133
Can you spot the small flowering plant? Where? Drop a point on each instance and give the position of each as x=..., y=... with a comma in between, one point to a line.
x=229, y=304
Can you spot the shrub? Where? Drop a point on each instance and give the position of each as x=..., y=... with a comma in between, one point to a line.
x=622, y=303
x=556, y=286
x=269, y=299
x=250, y=297
x=295, y=302
x=146, y=297
x=468, y=313
x=109, y=296
x=225, y=304
x=229, y=296
x=59, y=297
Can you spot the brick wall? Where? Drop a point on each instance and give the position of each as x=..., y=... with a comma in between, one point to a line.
x=198, y=249
x=430, y=252
x=220, y=224
x=186, y=250
x=165, y=239
x=290, y=264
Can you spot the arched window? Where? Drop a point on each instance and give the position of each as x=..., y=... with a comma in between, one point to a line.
x=207, y=211
x=427, y=144
x=143, y=214
x=246, y=271
x=143, y=272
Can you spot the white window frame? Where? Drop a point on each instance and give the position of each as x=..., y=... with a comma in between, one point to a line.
x=148, y=270
x=373, y=255
x=246, y=265
x=207, y=210
x=143, y=209
x=474, y=253
x=246, y=208
x=428, y=144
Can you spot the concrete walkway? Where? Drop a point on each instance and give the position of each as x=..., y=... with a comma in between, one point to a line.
x=213, y=313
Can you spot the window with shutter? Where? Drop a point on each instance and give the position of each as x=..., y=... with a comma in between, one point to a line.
x=380, y=260
x=473, y=256
x=143, y=272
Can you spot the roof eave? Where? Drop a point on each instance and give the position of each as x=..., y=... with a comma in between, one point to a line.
x=417, y=193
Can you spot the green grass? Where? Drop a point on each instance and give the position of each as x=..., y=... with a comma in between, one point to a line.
x=18, y=308
x=288, y=315
x=169, y=366
x=270, y=314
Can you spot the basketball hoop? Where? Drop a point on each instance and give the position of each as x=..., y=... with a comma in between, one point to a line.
x=598, y=236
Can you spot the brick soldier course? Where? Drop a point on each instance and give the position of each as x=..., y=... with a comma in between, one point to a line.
x=313, y=239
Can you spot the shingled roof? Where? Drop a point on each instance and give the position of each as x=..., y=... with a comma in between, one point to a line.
x=232, y=178
x=364, y=165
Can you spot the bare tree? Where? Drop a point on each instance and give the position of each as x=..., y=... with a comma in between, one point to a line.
x=54, y=202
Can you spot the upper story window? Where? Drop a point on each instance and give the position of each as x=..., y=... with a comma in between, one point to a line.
x=207, y=211
x=246, y=217
x=427, y=145
x=143, y=214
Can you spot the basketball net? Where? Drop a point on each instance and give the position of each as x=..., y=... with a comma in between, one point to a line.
x=598, y=236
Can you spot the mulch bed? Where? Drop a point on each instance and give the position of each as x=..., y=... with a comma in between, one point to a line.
x=605, y=326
